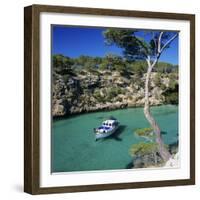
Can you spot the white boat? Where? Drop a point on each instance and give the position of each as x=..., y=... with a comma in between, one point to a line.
x=107, y=128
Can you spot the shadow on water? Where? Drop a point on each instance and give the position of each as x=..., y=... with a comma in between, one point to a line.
x=117, y=133
x=163, y=133
x=173, y=147
x=129, y=165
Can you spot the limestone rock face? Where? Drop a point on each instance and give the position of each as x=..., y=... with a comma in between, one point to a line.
x=103, y=90
x=58, y=110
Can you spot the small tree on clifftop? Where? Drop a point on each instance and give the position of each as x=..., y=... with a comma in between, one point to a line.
x=147, y=46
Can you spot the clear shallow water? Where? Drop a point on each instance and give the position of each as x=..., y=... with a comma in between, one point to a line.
x=74, y=147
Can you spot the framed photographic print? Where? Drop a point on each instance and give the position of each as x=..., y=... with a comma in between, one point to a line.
x=109, y=99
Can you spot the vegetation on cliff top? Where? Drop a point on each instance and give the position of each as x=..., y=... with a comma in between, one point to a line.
x=64, y=65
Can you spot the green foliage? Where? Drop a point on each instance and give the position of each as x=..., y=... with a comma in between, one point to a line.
x=158, y=82
x=118, y=36
x=65, y=78
x=103, y=66
x=164, y=67
x=97, y=95
x=157, y=79
x=172, y=98
x=162, y=86
x=134, y=47
x=65, y=65
x=138, y=81
x=120, y=68
x=172, y=84
x=87, y=62
x=138, y=67
x=113, y=92
x=141, y=149
x=144, y=131
x=113, y=62
x=171, y=93
x=109, y=94
x=62, y=64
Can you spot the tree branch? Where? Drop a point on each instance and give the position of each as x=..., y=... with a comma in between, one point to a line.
x=154, y=62
x=168, y=42
x=155, y=43
x=159, y=42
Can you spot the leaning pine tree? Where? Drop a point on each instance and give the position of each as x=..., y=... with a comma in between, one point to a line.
x=148, y=46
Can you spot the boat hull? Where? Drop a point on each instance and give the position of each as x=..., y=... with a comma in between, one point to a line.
x=104, y=135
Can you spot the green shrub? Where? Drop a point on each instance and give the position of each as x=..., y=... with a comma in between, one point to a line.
x=138, y=67
x=97, y=95
x=172, y=84
x=103, y=66
x=157, y=80
x=113, y=92
x=163, y=86
x=142, y=148
x=120, y=68
x=171, y=93
x=138, y=81
x=144, y=131
x=62, y=64
x=171, y=98
x=66, y=78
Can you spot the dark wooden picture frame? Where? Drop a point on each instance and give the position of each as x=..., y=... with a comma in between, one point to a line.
x=32, y=93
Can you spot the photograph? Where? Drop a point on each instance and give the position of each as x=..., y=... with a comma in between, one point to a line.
x=109, y=99
x=114, y=99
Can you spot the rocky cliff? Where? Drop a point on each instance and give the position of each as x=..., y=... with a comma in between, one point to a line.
x=107, y=90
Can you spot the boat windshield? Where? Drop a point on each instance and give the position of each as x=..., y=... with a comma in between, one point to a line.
x=110, y=124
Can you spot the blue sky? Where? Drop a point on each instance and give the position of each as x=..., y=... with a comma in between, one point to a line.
x=76, y=41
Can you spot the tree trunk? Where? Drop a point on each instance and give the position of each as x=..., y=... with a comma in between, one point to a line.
x=161, y=147
x=155, y=158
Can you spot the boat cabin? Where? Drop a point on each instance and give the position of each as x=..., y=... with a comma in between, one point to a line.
x=109, y=123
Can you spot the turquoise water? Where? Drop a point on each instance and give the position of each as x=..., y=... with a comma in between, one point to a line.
x=74, y=147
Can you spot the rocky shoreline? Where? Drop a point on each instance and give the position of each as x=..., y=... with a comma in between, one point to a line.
x=148, y=160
